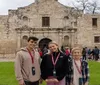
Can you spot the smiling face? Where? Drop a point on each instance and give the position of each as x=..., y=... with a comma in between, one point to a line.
x=53, y=47
x=31, y=44
x=76, y=53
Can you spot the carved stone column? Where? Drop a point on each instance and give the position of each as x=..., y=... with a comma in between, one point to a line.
x=72, y=36
x=18, y=39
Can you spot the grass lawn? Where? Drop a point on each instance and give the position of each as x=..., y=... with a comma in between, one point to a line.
x=94, y=73
x=7, y=76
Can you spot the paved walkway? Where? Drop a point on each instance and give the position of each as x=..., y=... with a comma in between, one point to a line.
x=99, y=60
x=12, y=60
x=6, y=60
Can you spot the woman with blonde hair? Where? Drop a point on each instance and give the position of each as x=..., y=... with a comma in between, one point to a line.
x=80, y=68
x=54, y=66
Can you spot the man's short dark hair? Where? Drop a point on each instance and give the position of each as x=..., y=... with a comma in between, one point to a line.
x=32, y=38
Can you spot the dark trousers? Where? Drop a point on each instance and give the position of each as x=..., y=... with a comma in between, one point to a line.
x=31, y=83
x=84, y=57
x=96, y=57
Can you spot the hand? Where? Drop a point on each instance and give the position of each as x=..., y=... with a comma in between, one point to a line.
x=21, y=82
x=86, y=83
x=52, y=80
x=71, y=84
x=48, y=80
x=55, y=80
x=40, y=81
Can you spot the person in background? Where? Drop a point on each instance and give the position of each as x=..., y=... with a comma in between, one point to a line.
x=96, y=53
x=80, y=68
x=40, y=52
x=84, y=53
x=45, y=50
x=54, y=66
x=27, y=65
x=62, y=49
x=89, y=54
x=67, y=51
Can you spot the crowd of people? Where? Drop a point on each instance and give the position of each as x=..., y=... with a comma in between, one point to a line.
x=87, y=53
x=92, y=54
x=52, y=65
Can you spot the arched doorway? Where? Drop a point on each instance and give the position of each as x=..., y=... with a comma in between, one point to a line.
x=66, y=40
x=44, y=43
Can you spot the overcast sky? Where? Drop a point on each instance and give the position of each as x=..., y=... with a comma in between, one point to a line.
x=14, y=4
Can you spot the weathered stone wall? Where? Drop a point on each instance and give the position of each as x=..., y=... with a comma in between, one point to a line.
x=31, y=17
x=86, y=31
x=28, y=22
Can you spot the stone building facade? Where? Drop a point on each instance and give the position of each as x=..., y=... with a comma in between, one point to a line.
x=89, y=31
x=47, y=20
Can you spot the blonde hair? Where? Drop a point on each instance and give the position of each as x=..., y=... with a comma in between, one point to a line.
x=76, y=48
x=53, y=42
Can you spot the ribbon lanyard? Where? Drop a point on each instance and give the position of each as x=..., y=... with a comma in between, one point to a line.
x=32, y=57
x=79, y=69
x=54, y=63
